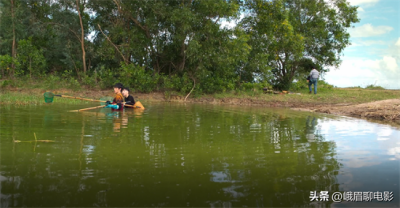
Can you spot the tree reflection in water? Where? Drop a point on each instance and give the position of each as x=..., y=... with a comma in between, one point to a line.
x=286, y=165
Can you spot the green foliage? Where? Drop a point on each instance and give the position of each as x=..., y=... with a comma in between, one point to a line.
x=302, y=85
x=324, y=85
x=173, y=45
x=31, y=59
x=248, y=86
x=297, y=35
x=299, y=85
x=177, y=83
x=52, y=81
x=217, y=84
x=74, y=84
x=4, y=83
x=282, y=83
x=138, y=78
x=89, y=79
x=6, y=64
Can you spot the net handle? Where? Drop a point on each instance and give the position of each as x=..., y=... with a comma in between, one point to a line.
x=79, y=98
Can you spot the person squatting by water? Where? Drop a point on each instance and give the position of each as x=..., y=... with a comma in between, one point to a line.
x=128, y=98
x=314, y=75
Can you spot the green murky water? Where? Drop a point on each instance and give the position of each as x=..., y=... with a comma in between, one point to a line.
x=177, y=155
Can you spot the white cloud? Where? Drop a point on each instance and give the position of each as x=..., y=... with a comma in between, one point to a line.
x=367, y=30
x=384, y=133
x=349, y=127
x=393, y=50
x=397, y=43
x=362, y=72
x=364, y=2
x=394, y=151
x=388, y=63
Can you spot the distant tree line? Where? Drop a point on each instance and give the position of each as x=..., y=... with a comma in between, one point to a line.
x=173, y=44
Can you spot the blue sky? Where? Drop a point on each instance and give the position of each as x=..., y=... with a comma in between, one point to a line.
x=374, y=56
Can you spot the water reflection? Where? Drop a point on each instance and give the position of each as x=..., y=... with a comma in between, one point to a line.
x=310, y=128
x=119, y=119
x=192, y=155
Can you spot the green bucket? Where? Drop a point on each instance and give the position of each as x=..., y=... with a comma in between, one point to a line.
x=48, y=97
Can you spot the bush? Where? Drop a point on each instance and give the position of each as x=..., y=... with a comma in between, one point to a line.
x=216, y=84
x=374, y=87
x=299, y=85
x=6, y=63
x=4, y=83
x=324, y=85
x=88, y=80
x=53, y=82
x=248, y=86
x=74, y=84
x=283, y=83
x=32, y=59
x=177, y=83
x=138, y=78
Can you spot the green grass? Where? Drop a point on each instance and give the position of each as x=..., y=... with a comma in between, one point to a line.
x=324, y=96
x=23, y=91
x=331, y=96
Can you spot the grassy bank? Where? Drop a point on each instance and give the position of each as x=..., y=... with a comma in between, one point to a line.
x=300, y=98
x=372, y=103
x=333, y=96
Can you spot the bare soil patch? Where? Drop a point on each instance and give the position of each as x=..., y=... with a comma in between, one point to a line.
x=387, y=110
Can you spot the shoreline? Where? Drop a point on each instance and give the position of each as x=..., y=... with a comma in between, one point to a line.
x=386, y=110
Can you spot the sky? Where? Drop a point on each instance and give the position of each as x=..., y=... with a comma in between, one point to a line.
x=373, y=58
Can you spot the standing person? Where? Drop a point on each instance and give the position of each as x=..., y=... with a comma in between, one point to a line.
x=118, y=101
x=314, y=75
x=128, y=98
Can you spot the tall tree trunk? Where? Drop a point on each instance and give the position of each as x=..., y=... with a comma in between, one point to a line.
x=14, y=47
x=30, y=67
x=182, y=64
x=82, y=37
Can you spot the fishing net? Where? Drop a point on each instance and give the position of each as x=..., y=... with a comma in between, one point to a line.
x=106, y=99
x=48, y=97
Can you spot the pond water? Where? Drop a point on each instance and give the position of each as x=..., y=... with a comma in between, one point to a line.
x=194, y=155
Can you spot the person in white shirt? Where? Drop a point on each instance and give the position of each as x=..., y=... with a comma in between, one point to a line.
x=314, y=75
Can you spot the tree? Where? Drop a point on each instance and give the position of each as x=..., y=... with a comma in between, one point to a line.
x=82, y=38
x=182, y=38
x=30, y=58
x=293, y=32
x=14, y=18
